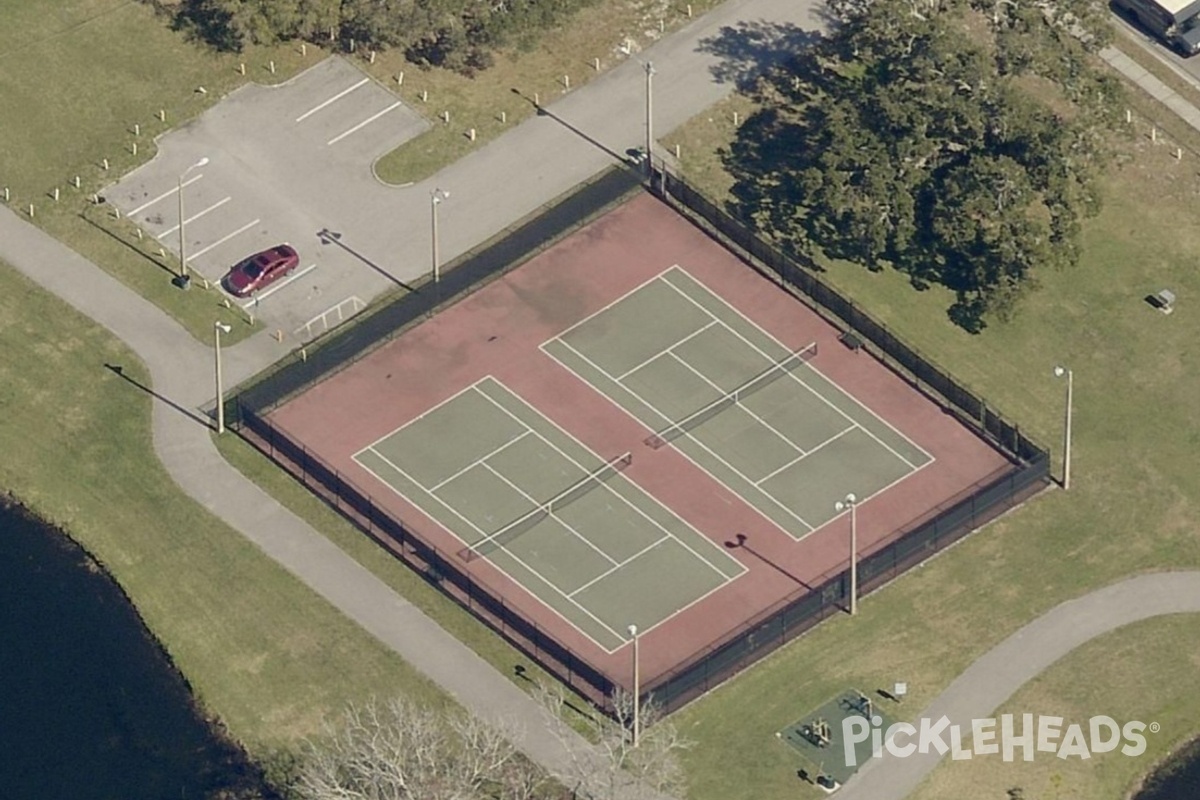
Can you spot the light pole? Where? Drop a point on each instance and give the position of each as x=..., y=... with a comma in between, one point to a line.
x=851, y=502
x=436, y=197
x=649, y=119
x=182, y=236
x=637, y=689
x=1059, y=372
x=218, y=329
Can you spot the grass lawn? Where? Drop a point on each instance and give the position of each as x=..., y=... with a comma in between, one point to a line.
x=261, y=651
x=1134, y=504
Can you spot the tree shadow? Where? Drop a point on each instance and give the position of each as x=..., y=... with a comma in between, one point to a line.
x=748, y=49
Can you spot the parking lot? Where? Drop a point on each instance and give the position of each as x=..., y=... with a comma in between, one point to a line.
x=284, y=164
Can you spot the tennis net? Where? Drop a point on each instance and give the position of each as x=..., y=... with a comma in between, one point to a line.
x=588, y=483
x=754, y=384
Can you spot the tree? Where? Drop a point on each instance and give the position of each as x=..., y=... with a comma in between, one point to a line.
x=402, y=751
x=911, y=138
x=614, y=767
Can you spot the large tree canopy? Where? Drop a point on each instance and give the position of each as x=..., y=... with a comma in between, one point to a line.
x=956, y=140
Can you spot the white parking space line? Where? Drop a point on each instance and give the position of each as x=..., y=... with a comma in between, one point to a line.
x=223, y=239
x=162, y=196
x=333, y=99
x=364, y=123
x=258, y=298
x=190, y=220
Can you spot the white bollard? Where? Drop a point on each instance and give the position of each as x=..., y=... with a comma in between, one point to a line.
x=504, y=116
x=400, y=79
x=537, y=99
x=272, y=66
x=596, y=64
x=95, y=198
x=676, y=151
x=242, y=68
x=1178, y=153
x=303, y=49
x=134, y=148
x=56, y=194
x=137, y=129
x=6, y=196
x=351, y=45
x=116, y=213
x=689, y=10
x=77, y=181
x=1154, y=134
x=139, y=233
x=162, y=115
x=424, y=96
x=662, y=26
x=471, y=133
x=31, y=210
x=1128, y=116
x=446, y=117
x=566, y=81
x=735, y=118
x=372, y=56
x=105, y=164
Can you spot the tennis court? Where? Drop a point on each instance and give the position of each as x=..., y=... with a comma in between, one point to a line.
x=758, y=417
x=559, y=519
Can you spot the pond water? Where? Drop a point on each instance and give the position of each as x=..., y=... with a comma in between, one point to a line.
x=92, y=707
x=1177, y=779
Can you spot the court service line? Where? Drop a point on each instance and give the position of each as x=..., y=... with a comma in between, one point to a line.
x=477, y=462
x=699, y=444
x=617, y=566
x=364, y=123
x=192, y=219
x=668, y=351
x=607, y=306
x=512, y=555
x=772, y=337
x=550, y=514
x=798, y=380
x=333, y=99
x=604, y=485
x=224, y=239
x=737, y=402
x=420, y=417
x=163, y=196
x=836, y=436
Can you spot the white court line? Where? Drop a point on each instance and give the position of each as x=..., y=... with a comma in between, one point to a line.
x=192, y=219
x=605, y=485
x=551, y=514
x=223, y=239
x=617, y=566
x=477, y=462
x=699, y=444
x=601, y=310
x=834, y=383
x=505, y=572
x=739, y=404
x=798, y=380
x=418, y=418
x=364, y=123
x=804, y=455
x=290, y=279
x=333, y=99
x=162, y=196
x=667, y=351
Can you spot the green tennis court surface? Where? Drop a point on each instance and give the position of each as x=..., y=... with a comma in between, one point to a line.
x=560, y=520
x=754, y=415
x=826, y=754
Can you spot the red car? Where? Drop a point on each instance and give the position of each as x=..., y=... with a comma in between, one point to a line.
x=260, y=270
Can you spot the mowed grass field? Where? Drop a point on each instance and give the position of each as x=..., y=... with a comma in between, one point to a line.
x=1134, y=506
x=262, y=652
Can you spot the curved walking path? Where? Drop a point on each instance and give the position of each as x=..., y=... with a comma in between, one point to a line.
x=996, y=676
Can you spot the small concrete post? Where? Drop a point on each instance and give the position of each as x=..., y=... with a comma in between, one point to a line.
x=303, y=49
x=162, y=115
x=31, y=210
x=735, y=118
x=138, y=231
x=596, y=64
x=1153, y=134
x=689, y=10
x=446, y=117
x=104, y=163
x=566, y=81
x=504, y=116
x=1128, y=116
x=352, y=45
x=677, y=151
x=56, y=194
x=471, y=133
x=537, y=99
x=400, y=79
x=372, y=56
x=242, y=68
x=662, y=25
x=77, y=181
x=1178, y=153
x=424, y=96
x=6, y=195
x=134, y=148
x=137, y=129
x=271, y=64
x=116, y=213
